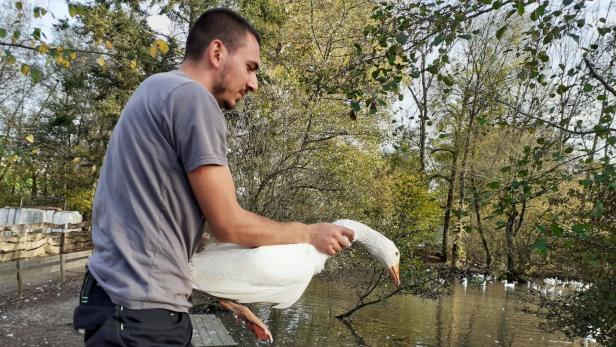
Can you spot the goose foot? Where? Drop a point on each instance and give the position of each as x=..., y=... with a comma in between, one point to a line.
x=254, y=323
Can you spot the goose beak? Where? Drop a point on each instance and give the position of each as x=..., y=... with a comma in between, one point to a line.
x=394, y=273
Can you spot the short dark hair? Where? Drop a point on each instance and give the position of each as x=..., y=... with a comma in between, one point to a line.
x=218, y=23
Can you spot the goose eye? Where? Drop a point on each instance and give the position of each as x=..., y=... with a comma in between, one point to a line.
x=396, y=252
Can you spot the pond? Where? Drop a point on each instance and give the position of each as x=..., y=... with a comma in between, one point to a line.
x=468, y=317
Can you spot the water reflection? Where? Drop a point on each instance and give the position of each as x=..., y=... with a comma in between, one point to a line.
x=469, y=317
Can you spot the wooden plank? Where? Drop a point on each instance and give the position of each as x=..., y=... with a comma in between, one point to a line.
x=222, y=332
x=22, y=237
x=211, y=330
x=23, y=243
x=36, y=244
x=22, y=254
x=42, y=262
x=201, y=338
x=52, y=263
x=42, y=226
x=78, y=255
x=210, y=327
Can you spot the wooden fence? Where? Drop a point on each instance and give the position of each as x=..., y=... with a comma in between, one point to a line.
x=42, y=246
x=19, y=269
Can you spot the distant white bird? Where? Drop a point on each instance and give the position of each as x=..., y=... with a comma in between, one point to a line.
x=509, y=284
x=464, y=282
x=591, y=337
x=275, y=274
x=549, y=281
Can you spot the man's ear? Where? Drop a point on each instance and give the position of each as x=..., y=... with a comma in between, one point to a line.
x=216, y=53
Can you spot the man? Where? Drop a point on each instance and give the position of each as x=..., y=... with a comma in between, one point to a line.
x=166, y=171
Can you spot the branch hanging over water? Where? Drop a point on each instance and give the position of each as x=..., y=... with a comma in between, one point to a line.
x=430, y=283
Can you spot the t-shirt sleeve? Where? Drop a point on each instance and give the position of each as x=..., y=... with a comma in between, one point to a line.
x=198, y=129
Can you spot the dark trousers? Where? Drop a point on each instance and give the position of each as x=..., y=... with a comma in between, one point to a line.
x=108, y=324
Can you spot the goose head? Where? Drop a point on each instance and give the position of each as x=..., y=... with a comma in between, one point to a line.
x=382, y=248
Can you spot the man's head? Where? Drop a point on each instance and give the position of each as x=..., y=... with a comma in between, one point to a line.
x=229, y=46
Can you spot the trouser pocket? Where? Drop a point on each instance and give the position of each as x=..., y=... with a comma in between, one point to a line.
x=94, y=307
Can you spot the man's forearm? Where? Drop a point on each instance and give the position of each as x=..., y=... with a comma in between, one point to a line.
x=215, y=191
x=251, y=230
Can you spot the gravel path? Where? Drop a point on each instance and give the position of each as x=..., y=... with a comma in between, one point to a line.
x=42, y=315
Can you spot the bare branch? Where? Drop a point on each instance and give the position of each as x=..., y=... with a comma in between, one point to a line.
x=577, y=132
x=17, y=45
x=598, y=77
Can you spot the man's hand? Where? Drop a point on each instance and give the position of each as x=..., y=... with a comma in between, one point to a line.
x=330, y=238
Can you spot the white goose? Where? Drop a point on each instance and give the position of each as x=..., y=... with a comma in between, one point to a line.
x=275, y=274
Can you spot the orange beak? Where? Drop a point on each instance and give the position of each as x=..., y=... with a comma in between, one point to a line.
x=394, y=273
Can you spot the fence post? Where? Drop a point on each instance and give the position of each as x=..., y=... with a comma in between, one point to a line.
x=19, y=278
x=62, y=237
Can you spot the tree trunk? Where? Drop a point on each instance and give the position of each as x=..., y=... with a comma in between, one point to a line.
x=450, y=190
x=468, y=138
x=45, y=182
x=423, y=115
x=509, y=230
x=34, y=190
x=479, y=226
x=421, y=100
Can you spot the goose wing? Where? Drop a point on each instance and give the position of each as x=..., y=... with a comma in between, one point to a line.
x=271, y=274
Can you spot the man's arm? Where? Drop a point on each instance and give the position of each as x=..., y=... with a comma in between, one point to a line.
x=215, y=191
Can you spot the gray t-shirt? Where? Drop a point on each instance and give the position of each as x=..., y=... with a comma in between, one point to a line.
x=146, y=221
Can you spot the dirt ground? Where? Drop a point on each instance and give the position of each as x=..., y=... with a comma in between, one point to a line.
x=42, y=315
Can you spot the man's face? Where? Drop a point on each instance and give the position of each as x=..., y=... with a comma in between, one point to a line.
x=238, y=75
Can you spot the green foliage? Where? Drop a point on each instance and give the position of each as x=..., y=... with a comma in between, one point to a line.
x=80, y=200
x=415, y=209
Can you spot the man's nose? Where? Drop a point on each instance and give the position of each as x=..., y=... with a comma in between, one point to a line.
x=252, y=84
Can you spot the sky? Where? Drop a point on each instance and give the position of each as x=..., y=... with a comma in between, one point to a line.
x=58, y=9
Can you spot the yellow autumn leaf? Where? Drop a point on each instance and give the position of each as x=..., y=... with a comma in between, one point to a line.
x=25, y=69
x=73, y=55
x=43, y=48
x=133, y=64
x=108, y=44
x=162, y=45
x=101, y=61
x=76, y=160
x=153, y=51
x=13, y=158
x=30, y=138
x=36, y=151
